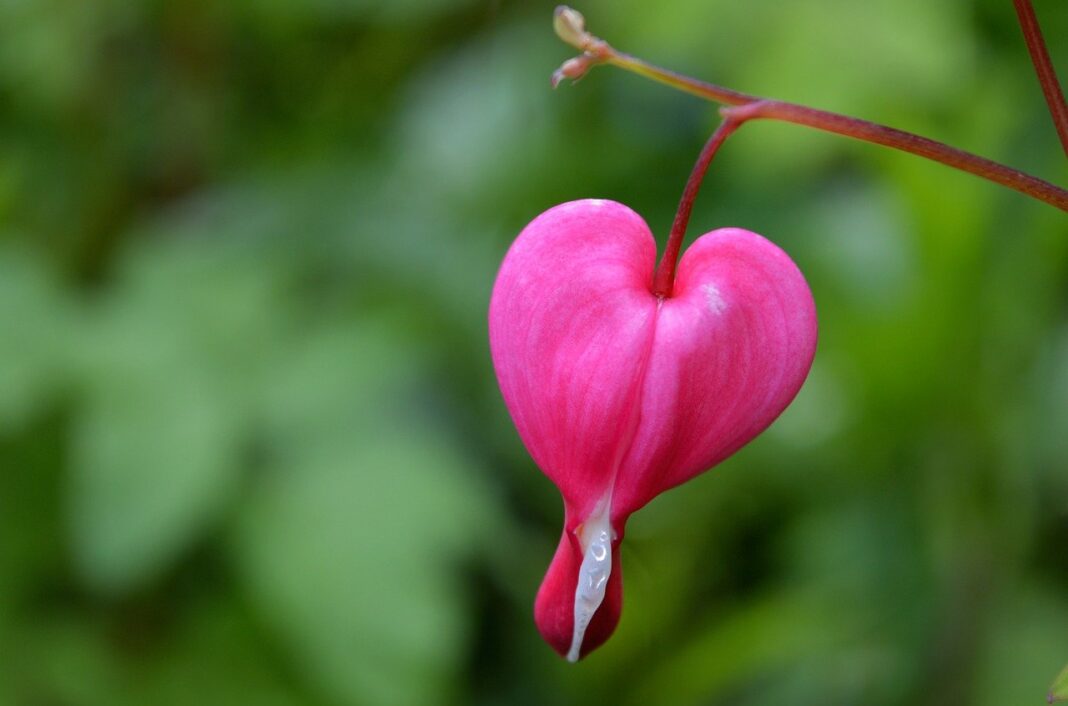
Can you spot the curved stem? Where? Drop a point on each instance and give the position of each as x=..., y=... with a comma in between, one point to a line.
x=1047, y=77
x=905, y=141
x=597, y=51
x=664, y=277
x=686, y=84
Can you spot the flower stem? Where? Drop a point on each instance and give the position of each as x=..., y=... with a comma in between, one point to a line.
x=747, y=107
x=905, y=141
x=664, y=277
x=1047, y=77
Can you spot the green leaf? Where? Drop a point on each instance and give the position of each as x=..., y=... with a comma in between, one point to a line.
x=1059, y=690
x=154, y=460
x=762, y=636
x=167, y=372
x=350, y=543
x=58, y=657
x=34, y=317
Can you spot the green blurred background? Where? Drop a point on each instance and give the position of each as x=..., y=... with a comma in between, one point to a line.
x=253, y=451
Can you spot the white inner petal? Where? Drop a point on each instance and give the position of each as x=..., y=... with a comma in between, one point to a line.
x=596, y=539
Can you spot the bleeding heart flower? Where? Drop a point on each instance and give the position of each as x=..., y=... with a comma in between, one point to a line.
x=620, y=394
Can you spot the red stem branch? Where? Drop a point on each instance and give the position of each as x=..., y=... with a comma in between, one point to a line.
x=570, y=26
x=904, y=141
x=846, y=125
x=1047, y=77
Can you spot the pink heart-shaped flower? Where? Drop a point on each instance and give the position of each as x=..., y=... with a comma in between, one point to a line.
x=620, y=394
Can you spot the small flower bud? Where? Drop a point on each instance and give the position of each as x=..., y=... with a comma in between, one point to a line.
x=573, y=69
x=570, y=26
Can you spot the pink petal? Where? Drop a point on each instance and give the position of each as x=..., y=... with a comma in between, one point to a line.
x=570, y=323
x=620, y=395
x=732, y=347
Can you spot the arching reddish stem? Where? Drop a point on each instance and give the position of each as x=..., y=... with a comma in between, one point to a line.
x=905, y=141
x=1047, y=77
x=570, y=26
x=664, y=278
x=735, y=116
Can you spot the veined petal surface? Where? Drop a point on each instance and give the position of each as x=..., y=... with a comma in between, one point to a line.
x=571, y=321
x=732, y=346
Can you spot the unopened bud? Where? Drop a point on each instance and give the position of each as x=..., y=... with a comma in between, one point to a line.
x=570, y=26
x=573, y=69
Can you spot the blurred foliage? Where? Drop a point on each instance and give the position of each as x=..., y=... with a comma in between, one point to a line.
x=252, y=446
x=1059, y=690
